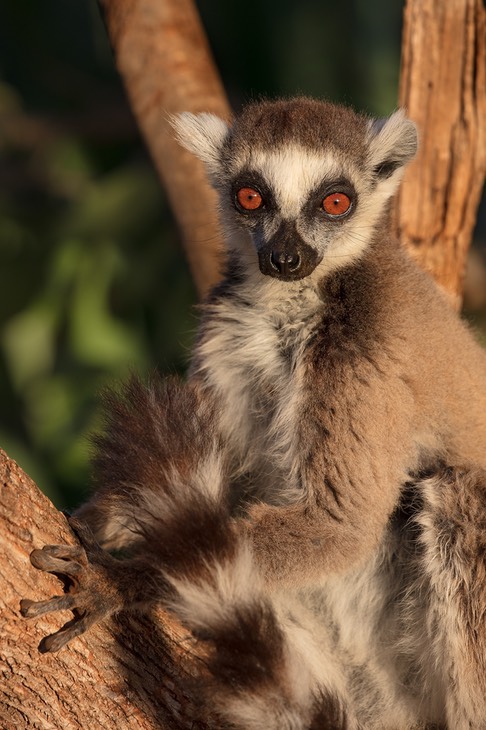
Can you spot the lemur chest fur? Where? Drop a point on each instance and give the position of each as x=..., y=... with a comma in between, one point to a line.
x=250, y=353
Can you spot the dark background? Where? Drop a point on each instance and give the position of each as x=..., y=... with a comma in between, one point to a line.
x=92, y=279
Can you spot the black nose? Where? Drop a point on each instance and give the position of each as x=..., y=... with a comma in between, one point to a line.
x=285, y=263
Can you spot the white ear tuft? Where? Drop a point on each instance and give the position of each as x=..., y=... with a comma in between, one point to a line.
x=203, y=134
x=393, y=142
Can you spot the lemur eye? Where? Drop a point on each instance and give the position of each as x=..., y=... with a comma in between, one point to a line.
x=336, y=204
x=249, y=199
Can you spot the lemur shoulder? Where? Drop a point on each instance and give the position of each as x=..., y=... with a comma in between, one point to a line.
x=332, y=391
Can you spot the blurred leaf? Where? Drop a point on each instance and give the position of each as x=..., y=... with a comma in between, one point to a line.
x=98, y=338
x=68, y=166
x=28, y=341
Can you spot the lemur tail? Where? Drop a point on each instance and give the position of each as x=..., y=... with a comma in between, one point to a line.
x=171, y=492
x=261, y=657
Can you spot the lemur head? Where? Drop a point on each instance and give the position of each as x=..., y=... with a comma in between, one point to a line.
x=307, y=181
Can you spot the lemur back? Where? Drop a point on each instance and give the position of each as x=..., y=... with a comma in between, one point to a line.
x=311, y=502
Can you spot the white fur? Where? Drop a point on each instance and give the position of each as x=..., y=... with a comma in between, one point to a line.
x=446, y=640
x=255, y=712
x=118, y=531
x=241, y=359
x=145, y=507
x=203, y=134
x=206, y=480
x=208, y=602
x=394, y=137
x=308, y=663
x=292, y=172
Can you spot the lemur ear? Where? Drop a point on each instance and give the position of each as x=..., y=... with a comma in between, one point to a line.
x=203, y=134
x=393, y=142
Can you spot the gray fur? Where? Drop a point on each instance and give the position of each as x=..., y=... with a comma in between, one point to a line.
x=334, y=390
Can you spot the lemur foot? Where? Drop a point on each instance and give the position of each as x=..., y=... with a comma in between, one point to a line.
x=88, y=573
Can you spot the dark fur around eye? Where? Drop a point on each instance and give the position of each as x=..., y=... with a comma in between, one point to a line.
x=313, y=205
x=252, y=179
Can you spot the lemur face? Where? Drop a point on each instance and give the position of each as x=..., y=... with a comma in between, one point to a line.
x=306, y=181
x=296, y=204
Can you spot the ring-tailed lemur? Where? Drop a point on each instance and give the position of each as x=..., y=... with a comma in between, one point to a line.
x=312, y=502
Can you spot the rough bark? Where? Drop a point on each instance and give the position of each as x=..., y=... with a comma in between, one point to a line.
x=123, y=675
x=443, y=88
x=164, y=60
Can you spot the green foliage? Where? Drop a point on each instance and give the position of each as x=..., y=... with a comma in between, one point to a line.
x=92, y=279
x=108, y=291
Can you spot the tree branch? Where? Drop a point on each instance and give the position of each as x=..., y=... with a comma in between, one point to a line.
x=443, y=88
x=164, y=60
x=126, y=674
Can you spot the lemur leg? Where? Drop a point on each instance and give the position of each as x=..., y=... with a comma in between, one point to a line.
x=160, y=476
x=453, y=536
x=179, y=544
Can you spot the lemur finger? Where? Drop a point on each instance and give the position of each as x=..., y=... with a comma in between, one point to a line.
x=43, y=560
x=67, y=552
x=69, y=631
x=29, y=608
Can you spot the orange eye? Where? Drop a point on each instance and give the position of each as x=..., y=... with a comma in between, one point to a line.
x=249, y=199
x=336, y=204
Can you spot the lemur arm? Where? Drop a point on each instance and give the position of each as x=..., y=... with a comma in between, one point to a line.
x=161, y=448
x=353, y=446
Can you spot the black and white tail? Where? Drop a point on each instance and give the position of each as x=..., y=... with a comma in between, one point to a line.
x=162, y=487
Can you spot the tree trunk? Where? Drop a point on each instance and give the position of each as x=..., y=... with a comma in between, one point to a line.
x=443, y=88
x=164, y=60
x=122, y=675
